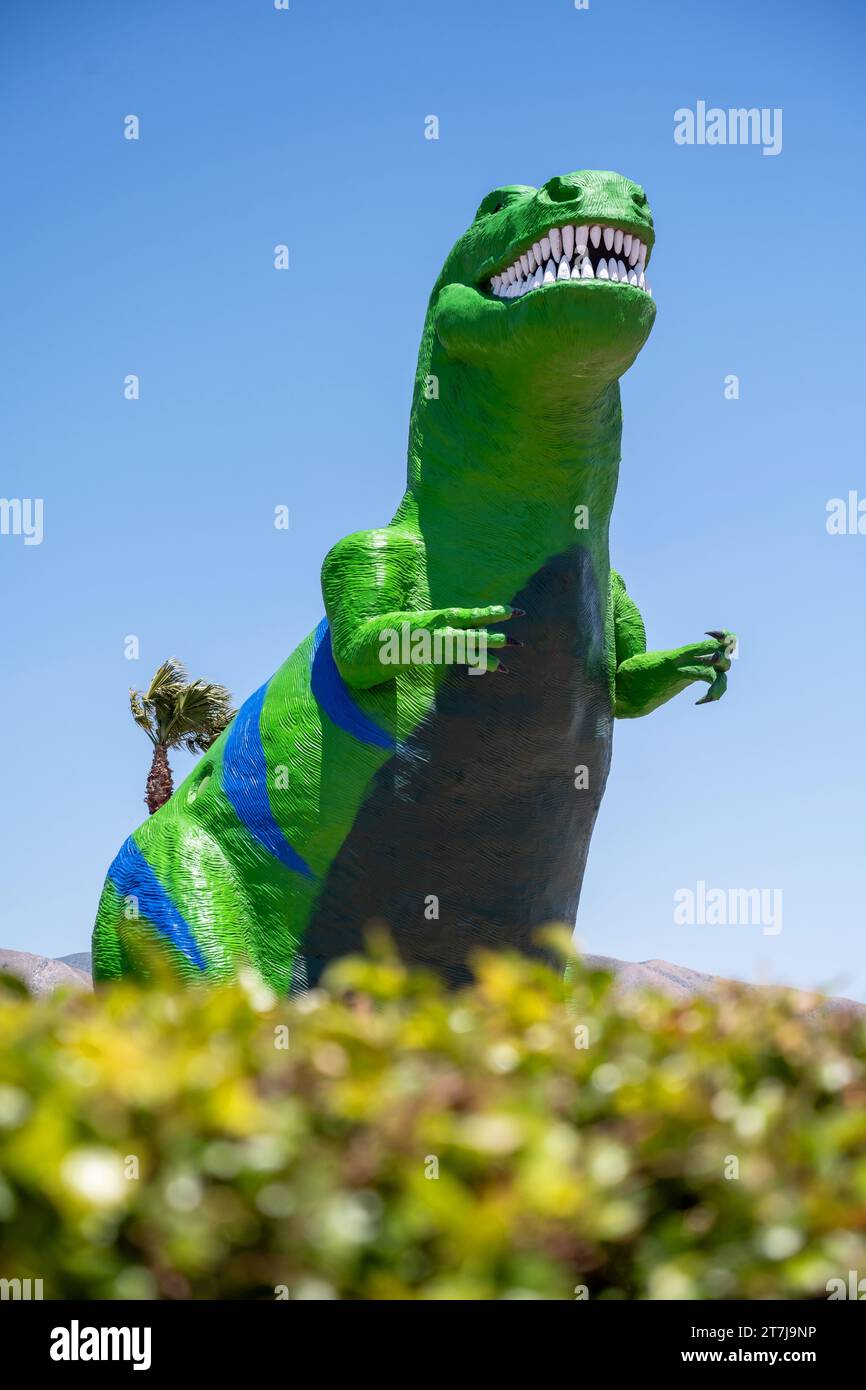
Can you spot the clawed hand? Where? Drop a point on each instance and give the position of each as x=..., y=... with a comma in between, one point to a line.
x=717, y=658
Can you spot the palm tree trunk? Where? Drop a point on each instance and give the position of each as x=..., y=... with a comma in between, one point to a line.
x=159, y=782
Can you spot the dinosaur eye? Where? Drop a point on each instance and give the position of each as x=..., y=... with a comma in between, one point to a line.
x=499, y=198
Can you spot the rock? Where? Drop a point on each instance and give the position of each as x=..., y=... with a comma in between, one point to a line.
x=678, y=982
x=41, y=974
x=79, y=960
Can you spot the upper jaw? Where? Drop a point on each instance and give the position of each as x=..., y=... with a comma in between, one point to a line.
x=607, y=251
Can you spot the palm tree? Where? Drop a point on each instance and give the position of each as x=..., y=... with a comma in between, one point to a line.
x=176, y=712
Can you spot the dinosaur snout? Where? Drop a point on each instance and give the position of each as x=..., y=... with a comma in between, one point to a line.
x=592, y=195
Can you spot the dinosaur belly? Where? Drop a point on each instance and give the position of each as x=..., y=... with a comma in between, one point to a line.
x=476, y=832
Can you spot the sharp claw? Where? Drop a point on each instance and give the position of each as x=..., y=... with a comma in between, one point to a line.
x=719, y=636
x=708, y=660
x=716, y=690
x=500, y=668
x=518, y=613
x=513, y=642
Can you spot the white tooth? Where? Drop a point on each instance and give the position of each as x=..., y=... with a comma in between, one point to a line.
x=564, y=272
x=635, y=247
x=549, y=273
x=568, y=242
x=623, y=273
x=580, y=239
x=532, y=259
x=524, y=263
x=512, y=274
x=617, y=241
x=586, y=270
x=537, y=278
x=641, y=280
x=641, y=255
x=608, y=238
x=613, y=269
x=545, y=249
x=602, y=272
x=649, y=291
x=595, y=235
x=555, y=243
x=536, y=251
x=626, y=244
x=632, y=277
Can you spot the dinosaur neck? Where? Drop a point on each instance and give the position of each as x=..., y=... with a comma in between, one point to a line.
x=499, y=462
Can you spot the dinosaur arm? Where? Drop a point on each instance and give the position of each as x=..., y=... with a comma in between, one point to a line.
x=646, y=680
x=370, y=581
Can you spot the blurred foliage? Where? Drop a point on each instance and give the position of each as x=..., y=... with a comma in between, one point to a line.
x=381, y=1138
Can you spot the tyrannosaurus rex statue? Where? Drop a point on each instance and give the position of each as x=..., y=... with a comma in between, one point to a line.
x=377, y=775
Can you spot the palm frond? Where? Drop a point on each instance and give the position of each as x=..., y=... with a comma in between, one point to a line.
x=179, y=713
x=201, y=711
x=141, y=714
x=168, y=677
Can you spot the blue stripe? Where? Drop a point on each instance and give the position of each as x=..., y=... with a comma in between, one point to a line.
x=333, y=696
x=132, y=876
x=245, y=782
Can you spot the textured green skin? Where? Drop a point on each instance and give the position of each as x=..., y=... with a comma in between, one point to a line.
x=525, y=426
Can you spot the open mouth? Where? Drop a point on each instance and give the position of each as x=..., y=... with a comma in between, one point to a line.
x=575, y=253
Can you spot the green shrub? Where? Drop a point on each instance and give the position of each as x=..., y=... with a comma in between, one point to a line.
x=384, y=1139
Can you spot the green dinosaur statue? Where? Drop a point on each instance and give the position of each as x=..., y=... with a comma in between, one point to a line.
x=394, y=768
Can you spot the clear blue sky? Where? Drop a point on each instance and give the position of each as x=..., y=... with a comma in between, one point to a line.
x=261, y=387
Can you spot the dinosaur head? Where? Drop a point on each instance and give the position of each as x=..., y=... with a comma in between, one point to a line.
x=554, y=276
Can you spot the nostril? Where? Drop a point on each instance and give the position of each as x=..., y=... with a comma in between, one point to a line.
x=639, y=199
x=563, y=190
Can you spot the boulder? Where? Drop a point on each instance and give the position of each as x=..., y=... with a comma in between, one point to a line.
x=41, y=974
